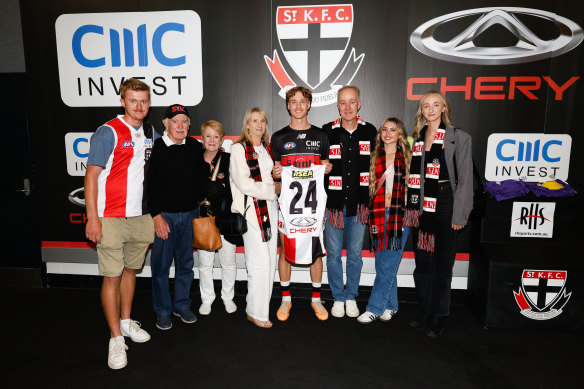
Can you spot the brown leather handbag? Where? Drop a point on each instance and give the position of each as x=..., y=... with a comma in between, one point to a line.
x=206, y=235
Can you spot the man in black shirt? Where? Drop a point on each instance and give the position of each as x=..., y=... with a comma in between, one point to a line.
x=173, y=182
x=348, y=197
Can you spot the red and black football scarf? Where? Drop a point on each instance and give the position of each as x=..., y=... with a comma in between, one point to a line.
x=261, y=206
x=382, y=240
x=425, y=220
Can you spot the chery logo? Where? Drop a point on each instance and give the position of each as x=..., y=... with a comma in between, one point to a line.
x=529, y=47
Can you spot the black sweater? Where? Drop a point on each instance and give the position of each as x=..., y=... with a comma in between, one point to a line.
x=175, y=177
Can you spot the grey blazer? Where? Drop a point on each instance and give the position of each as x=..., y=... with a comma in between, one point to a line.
x=456, y=142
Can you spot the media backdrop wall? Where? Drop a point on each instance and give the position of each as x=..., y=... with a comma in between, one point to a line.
x=511, y=67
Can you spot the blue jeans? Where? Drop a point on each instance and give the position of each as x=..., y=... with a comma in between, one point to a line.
x=384, y=292
x=334, y=251
x=179, y=246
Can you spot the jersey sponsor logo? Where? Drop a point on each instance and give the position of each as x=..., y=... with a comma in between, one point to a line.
x=128, y=144
x=364, y=148
x=148, y=142
x=302, y=174
x=300, y=160
x=289, y=145
x=430, y=204
x=335, y=182
x=303, y=221
x=301, y=136
x=414, y=181
x=432, y=171
x=313, y=144
x=303, y=230
x=335, y=152
x=364, y=179
x=314, y=40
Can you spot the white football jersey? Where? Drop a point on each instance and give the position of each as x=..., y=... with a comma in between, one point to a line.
x=302, y=206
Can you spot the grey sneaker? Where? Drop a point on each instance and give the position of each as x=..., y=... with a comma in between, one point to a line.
x=132, y=329
x=117, y=358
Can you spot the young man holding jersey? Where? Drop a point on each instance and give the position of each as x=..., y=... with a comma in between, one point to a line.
x=299, y=144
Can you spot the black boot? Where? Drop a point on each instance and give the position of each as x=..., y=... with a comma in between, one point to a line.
x=435, y=327
x=420, y=321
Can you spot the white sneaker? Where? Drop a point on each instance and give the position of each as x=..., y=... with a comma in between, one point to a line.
x=388, y=314
x=338, y=309
x=352, y=309
x=367, y=317
x=117, y=358
x=205, y=309
x=230, y=306
x=132, y=329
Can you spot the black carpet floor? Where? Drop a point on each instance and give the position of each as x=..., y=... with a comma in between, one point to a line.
x=57, y=338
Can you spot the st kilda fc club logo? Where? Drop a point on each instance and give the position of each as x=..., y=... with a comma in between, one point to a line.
x=314, y=42
x=542, y=294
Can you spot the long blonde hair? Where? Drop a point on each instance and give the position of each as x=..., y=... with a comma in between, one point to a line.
x=402, y=145
x=421, y=121
x=245, y=136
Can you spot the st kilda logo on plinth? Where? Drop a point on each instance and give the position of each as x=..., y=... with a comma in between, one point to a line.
x=542, y=295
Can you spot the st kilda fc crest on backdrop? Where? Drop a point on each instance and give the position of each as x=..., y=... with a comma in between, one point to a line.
x=314, y=50
x=542, y=294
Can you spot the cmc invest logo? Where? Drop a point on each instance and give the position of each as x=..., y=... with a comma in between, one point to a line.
x=96, y=52
x=530, y=157
x=76, y=152
x=530, y=46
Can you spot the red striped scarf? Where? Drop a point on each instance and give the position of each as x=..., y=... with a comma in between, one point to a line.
x=379, y=238
x=261, y=206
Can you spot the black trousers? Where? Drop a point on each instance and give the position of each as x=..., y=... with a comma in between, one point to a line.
x=433, y=273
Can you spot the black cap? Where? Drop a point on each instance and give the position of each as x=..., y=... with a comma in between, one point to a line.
x=175, y=109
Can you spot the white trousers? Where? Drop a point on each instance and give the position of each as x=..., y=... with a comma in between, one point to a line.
x=260, y=261
x=228, y=272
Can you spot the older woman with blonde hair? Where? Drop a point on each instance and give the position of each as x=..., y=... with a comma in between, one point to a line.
x=440, y=196
x=254, y=196
x=217, y=202
x=388, y=171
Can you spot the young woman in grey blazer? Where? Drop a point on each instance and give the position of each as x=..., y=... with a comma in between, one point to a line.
x=439, y=199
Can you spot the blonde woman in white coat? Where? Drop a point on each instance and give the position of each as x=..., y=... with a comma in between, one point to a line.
x=253, y=189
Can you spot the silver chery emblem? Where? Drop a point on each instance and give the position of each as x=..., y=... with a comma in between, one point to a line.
x=528, y=48
x=303, y=221
x=77, y=197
